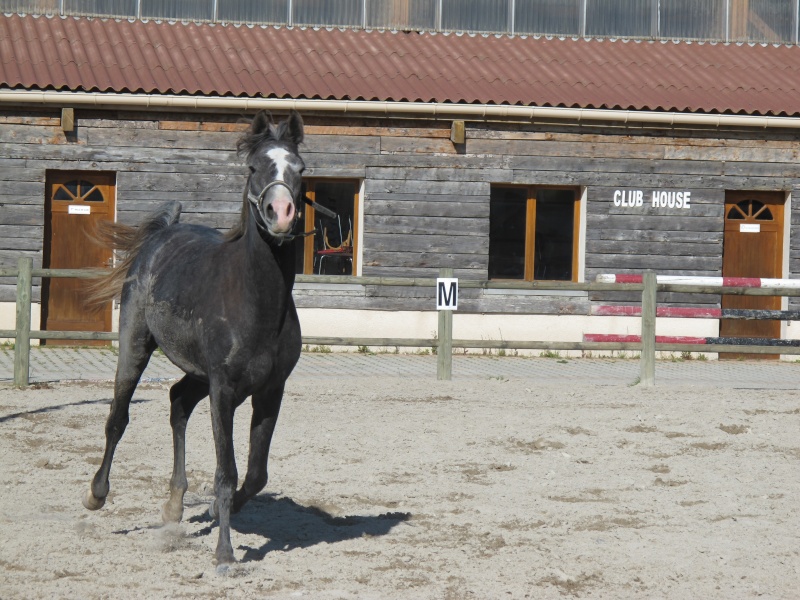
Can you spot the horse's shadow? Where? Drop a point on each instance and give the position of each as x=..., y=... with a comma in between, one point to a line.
x=288, y=525
x=52, y=409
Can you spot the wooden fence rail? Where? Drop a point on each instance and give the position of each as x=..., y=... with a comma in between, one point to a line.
x=444, y=342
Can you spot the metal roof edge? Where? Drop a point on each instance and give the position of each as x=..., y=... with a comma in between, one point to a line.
x=481, y=112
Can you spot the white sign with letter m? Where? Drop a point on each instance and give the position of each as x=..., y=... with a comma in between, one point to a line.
x=446, y=294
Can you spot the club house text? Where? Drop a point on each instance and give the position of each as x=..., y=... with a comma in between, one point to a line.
x=657, y=199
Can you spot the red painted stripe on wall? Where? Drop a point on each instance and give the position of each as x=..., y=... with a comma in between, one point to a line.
x=661, y=339
x=689, y=312
x=661, y=311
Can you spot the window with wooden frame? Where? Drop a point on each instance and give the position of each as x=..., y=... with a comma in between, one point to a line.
x=333, y=249
x=533, y=233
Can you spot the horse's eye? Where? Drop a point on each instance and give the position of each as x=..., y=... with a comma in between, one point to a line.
x=252, y=168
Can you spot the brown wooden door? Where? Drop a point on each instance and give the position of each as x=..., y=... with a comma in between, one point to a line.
x=753, y=247
x=75, y=202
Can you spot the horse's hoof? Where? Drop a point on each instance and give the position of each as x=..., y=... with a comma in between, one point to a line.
x=92, y=503
x=224, y=562
x=212, y=509
x=169, y=515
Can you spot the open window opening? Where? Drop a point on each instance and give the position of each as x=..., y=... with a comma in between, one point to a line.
x=533, y=233
x=332, y=250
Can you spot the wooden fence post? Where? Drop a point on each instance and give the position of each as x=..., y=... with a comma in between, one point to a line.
x=22, y=345
x=647, y=365
x=444, y=352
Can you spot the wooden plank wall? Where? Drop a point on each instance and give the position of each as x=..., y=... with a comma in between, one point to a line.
x=156, y=158
x=426, y=200
x=22, y=191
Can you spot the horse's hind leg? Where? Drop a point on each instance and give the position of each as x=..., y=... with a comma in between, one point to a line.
x=184, y=396
x=133, y=359
x=265, y=414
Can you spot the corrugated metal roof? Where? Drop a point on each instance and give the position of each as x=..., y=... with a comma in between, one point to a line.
x=103, y=55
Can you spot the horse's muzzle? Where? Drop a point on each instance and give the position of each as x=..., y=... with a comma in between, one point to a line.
x=279, y=215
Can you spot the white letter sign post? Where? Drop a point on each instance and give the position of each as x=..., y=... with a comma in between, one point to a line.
x=446, y=303
x=446, y=293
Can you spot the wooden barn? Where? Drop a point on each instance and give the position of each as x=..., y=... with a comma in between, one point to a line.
x=505, y=156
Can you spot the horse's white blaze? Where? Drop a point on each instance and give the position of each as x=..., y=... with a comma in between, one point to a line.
x=281, y=159
x=282, y=205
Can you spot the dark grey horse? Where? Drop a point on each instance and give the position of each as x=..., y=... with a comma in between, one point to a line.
x=220, y=307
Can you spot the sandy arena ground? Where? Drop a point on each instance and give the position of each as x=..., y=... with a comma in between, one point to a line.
x=394, y=488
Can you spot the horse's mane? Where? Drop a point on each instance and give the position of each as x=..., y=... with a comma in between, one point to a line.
x=126, y=240
x=253, y=139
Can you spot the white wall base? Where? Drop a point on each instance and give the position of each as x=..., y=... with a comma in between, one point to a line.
x=8, y=319
x=555, y=328
x=410, y=324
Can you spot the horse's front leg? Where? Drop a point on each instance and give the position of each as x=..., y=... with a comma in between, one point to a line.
x=183, y=396
x=223, y=405
x=266, y=406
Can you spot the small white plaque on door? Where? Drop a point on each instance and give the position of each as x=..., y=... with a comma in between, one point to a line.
x=79, y=209
x=749, y=228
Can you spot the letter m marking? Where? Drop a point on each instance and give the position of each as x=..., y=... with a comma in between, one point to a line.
x=446, y=294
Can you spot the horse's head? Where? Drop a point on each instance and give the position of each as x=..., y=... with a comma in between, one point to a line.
x=273, y=187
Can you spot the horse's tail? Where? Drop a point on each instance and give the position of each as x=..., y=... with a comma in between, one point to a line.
x=126, y=241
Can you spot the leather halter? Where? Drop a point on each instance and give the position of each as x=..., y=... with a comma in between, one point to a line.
x=256, y=200
x=261, y=220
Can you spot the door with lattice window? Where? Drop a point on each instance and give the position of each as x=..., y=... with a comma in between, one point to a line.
x=75, y=202
x=753, y=247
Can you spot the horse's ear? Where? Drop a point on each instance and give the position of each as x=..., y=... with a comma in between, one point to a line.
x=261, y=122
x=294, y=127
